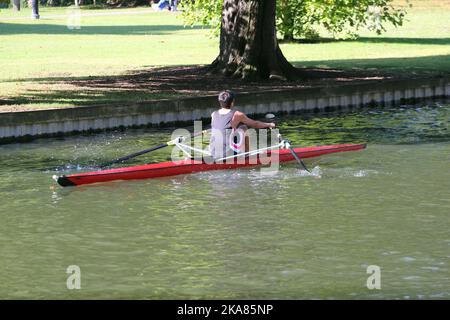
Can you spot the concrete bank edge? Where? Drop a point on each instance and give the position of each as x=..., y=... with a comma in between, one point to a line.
x=68, y=120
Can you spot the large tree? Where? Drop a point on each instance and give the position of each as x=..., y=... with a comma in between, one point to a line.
x=248, y=28
x=248, y=42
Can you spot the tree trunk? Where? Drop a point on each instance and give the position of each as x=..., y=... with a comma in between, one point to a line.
x=288, y=36
x=34, y=9
x=248, y=43
x=16, y=5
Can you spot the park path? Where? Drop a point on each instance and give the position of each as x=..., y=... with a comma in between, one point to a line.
x=72, y=10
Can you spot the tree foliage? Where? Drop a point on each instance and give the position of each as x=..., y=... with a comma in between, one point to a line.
x=205, y=12
x=303, y=18
x=341, y=18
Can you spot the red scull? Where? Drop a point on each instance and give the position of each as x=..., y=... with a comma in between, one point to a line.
x=172, y=168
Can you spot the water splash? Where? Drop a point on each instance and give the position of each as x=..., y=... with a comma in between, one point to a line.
x=315, y=172
x=361, y=173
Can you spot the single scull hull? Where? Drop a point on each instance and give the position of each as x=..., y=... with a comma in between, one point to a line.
x=165, y=169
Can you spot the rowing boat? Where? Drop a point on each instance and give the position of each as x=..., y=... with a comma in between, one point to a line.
x=173, y=168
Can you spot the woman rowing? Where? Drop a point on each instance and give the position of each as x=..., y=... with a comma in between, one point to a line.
x=229, y=128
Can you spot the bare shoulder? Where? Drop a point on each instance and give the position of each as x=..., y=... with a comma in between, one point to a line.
x=239, y=114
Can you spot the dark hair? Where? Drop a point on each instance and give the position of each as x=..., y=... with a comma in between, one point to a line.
x=226, y=98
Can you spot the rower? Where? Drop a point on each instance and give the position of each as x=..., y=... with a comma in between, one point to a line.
x=229, y=128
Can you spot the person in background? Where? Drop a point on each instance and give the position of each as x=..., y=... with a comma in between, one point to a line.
x=173, y=5
x=161, y=5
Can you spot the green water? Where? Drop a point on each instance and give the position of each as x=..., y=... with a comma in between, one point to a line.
x=237, y=234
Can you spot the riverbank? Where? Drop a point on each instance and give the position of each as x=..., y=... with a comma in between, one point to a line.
x=130, y=58
x=16, y=126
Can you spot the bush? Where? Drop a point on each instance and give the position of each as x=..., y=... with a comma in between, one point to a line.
x=4, y=3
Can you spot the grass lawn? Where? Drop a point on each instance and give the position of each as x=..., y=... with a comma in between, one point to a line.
x=43, y=61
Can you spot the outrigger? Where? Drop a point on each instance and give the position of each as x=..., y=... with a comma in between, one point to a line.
x=281, y=152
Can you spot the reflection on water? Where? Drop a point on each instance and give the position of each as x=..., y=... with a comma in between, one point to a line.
x=237, y=234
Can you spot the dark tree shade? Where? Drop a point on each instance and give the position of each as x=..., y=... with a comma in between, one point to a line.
x=129, y=3
x=248, y=42
x=35, y=9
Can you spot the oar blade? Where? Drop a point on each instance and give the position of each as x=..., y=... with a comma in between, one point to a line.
x=300, y=161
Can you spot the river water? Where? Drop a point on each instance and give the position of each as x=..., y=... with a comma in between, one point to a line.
x=237, y=234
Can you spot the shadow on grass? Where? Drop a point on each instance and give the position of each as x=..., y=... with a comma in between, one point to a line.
x=19, y=28
x=49, y=29
x=437, y=65
x=184, y=81
x=82, y=97
x=424, y=41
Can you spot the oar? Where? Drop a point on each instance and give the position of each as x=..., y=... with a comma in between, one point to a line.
x=139, y=153
x=133, y=155
x=288, y=145
x=298, y=158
